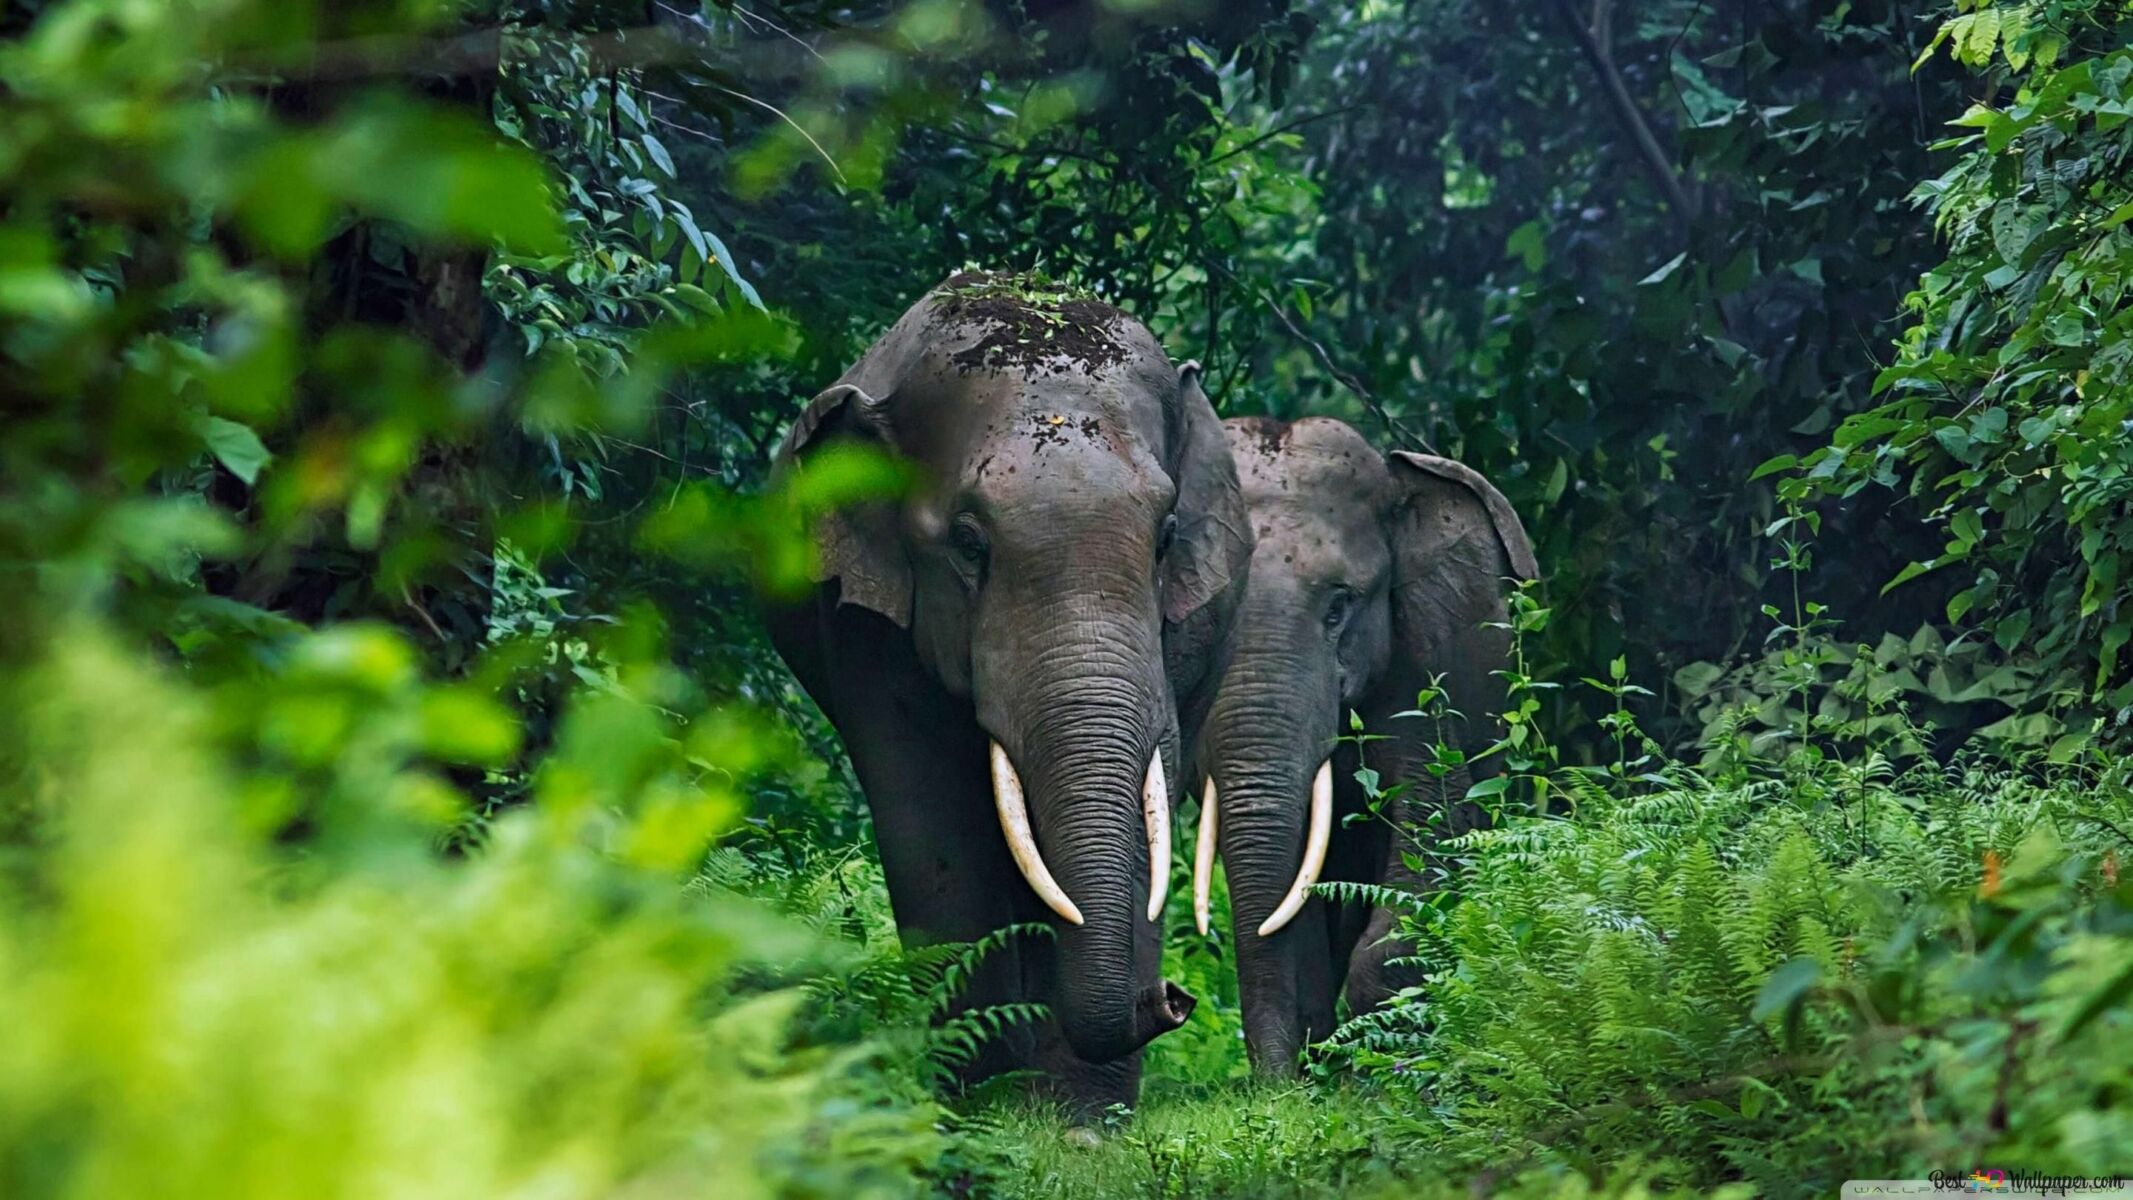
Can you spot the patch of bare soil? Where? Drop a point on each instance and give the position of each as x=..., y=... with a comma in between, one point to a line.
x=1032, y=325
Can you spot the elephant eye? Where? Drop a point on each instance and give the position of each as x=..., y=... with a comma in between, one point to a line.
x=1338, y=608
x=1166, y=536
x=967, y=540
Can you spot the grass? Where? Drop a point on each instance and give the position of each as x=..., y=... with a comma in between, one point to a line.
x=1251, y=1139
x=1258, y=1140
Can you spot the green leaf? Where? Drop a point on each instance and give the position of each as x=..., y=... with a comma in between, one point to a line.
x=1771, y=466
x=1711, y=1108
x=733, y=272
x=1666, y=270
x=1981, y=34
x=2113, y=994
x=2022, y=729
x=658, y=152
x=2014, y=226
x=1698, y=678
x=844, y=474
x=2068, y=329
x=1861, y=428
x=687, y=221
x=1786, y=987
x=463, y=726
x=442, y=173
x=1909, y=573
x=2011, y=629
x=698, y=299
x=1558, y=481
x=1527, y=244
x=237, y=448
x=1955, y=441
x=1495, y=786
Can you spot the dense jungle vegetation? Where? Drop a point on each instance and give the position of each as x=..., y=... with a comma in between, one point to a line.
x=400, y=797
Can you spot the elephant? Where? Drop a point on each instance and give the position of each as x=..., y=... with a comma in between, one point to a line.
x=1371, y=575
x=1018, y=652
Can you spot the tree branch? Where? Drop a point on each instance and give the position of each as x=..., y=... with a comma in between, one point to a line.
x=1278, y=130
x=1626, y=112
x=1401, y=434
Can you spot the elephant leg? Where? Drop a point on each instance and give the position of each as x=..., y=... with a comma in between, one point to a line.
x=1373, y=975
x=1288, y=985
x=1356, y=855
x=1086, y=1090
x=921, y=760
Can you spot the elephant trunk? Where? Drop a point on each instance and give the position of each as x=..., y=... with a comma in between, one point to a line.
x=1085, y=723
x=1268, y=750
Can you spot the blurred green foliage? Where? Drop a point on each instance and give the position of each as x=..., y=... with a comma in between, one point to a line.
x=195, y=1010
x=344, y=853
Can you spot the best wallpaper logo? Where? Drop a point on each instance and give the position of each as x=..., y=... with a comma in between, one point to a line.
x=1991, y=1181
x=1994, y=1181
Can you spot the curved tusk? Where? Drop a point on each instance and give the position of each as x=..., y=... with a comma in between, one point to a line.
x=1203, y=859
x=1014, y=821
x=1314, y=852
x=1155, y=815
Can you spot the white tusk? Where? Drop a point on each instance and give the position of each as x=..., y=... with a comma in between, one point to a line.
x=1155, y=815
x=1203, y=859
x=1014, y=821
x=1314, y=858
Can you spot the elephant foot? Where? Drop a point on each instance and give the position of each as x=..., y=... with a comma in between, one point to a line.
x=1099, y=1094
x=1092, y=1095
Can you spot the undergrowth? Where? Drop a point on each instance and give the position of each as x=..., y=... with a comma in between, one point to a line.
x=1775, y=975
x=1830, y=970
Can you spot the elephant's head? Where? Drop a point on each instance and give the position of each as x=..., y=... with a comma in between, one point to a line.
x=1069, y=564
x=1369, y=574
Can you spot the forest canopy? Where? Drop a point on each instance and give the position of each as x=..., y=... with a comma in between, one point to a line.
x=402, y=795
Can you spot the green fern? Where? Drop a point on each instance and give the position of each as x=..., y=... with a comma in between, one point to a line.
x=1372, y=894
x=1708, y=967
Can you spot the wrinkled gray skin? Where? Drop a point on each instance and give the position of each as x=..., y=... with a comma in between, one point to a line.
x=1061, y=581
x=1369, y=574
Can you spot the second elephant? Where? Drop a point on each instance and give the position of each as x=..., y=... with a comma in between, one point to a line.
x=1371, y=575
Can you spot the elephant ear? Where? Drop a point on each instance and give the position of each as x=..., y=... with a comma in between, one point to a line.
x=1205, y=569
x=1213, y=547
x=859, y=545
x=1455, y=540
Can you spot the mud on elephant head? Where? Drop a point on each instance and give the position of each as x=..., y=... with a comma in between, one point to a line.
x=1371, y=575
x=1039, y=621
